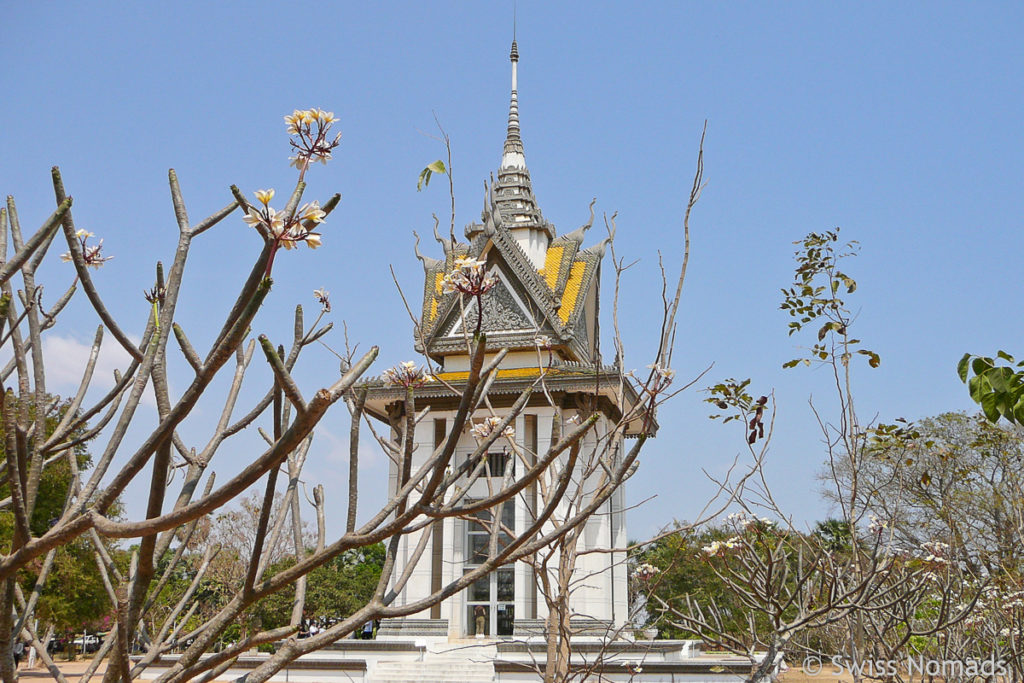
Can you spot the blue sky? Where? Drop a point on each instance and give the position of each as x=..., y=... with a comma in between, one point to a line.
x=898, y=122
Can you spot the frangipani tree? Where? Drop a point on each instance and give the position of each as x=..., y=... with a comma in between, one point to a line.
x=285, y=414
x=854, y=595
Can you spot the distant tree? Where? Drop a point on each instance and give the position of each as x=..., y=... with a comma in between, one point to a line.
x=89, y=605
x=834, y=535
x=336, y=590
x=682, y=571
x=953, y=478
x=234, y=532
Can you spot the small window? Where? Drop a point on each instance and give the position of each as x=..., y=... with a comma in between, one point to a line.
x=478, y=532
x=497, y=463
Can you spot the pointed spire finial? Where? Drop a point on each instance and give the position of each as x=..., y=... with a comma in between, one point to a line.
x=514, y=55
x=512, y=195
x=512, y=154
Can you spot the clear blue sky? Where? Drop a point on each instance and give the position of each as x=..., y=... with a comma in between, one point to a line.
x=899, y=122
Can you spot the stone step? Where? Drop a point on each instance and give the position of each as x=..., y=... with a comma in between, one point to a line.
x=426, y=677
x=431, y=670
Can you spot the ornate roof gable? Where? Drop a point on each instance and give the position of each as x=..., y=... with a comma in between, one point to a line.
x=547, y=283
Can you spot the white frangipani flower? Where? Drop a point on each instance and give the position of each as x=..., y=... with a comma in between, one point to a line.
x=311, y=127
x=324, y=297
x=646, y=571
x=406, y=374
x=92, y=254
x=486, y=428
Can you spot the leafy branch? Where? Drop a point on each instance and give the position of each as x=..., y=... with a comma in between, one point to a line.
x=997, y=388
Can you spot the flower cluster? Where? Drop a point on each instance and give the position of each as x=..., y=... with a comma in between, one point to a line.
x=743, y=521
x=876, y=526
x=91, y=254
x=934, y=552
x=664, y=374
x=310, y=128
x=659, y=379
x=975, y=620
x=542, y=342
x=323, y=298
x=286, y=231
x=993, y=608
x=406, y=375
x=468, y=277
x=484, y=429
x=1013, y=601
x=720, y=548
x=646, y=571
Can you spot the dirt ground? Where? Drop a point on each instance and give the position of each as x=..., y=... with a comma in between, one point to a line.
x=71, y=670
x=795, y=675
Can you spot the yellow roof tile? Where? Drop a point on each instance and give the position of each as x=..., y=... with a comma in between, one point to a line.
x=572, y=290
x=510, y=372
x=552, y=261
x=435, y=296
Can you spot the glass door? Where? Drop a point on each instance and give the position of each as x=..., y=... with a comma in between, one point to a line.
x=490, y=604
x=490, y=600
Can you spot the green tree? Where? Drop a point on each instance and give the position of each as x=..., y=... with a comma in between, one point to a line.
x=684, y=573
x=953, y=478
x=88, y=606
x=834, y=535
x=336, y=589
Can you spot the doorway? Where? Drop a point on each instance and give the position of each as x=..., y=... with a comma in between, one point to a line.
x=490, y=600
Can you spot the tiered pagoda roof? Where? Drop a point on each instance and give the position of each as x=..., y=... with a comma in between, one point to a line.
x=547, y=284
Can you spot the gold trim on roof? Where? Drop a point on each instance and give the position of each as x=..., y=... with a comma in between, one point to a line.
x=552, y=262
x=436, y=296
x=572, y=290
x=517, y=373
x=510, y=372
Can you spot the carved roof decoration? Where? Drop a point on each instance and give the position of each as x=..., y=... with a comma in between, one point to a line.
x=560, y=379
x=551, y=291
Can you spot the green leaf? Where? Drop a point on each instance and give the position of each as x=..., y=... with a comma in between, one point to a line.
x=1018, y=411
x=1005, y=356
x=425, y=174
x=961, y=367
x=874, y=360
x=791, y=364
x=978, y=386
x=980, y=365
x=1000, y=379
x=989, y=405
